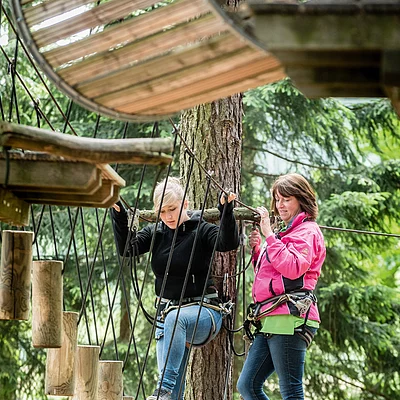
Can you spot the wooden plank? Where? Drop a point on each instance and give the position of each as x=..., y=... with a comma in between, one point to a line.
x=13, y=210
x=327, y=75
x=157, y=45
x=166, y=84
x=189, y=99
x=350, y=58
x=101, y=15
x=127, y=31
x=49, y=9
x=328, y=32
x=103, y=197
x=110, y=174
x=197, y=54
x=142, y=151
x=194, y=80
x=45, y=176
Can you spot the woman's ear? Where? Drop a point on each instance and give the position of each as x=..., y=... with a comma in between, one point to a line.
x=185, y=204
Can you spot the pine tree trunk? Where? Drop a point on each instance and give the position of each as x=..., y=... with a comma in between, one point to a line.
x=214, y=132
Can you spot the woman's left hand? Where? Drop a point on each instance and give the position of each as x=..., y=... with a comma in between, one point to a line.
x=231, y=197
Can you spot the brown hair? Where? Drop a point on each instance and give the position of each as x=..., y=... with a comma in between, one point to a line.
x=298, y=186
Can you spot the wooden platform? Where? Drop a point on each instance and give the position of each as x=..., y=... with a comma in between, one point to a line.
x=118, y=60
x=74, y=171
x=343, y=48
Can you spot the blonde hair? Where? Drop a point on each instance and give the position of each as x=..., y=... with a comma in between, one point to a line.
x=173, y=192
x=298, y=186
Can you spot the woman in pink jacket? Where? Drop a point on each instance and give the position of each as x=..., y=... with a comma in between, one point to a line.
x=287, y=266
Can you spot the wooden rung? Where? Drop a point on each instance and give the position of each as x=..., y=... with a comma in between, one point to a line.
x=141, y=151
x=128, y=31
x=157, y=45
x=39, y=172
x=15, y=274
x=60, y=363
x=47, y=295
x=100, y=15
x=200, y=53
x=87, y=372
x=110, y=380
x=50, y=9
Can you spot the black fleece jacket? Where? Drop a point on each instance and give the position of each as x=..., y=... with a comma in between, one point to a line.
x=228, y=239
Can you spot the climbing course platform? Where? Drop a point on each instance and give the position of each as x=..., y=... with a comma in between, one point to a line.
x=341, y=48
x=45, y=167
x=143, y=60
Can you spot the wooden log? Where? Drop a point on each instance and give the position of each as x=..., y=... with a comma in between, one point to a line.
x=13, y=210
x=86, y=372
x=97, y=151
x=210, y=214
x=47, y=294
x=15, y=274
x=127, y=398
x=110, y=380
x=60, y=363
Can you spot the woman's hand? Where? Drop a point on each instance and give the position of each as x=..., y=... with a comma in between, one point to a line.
x=231, y=197
x=116, y=207
x=255, y=239
x=265, y=224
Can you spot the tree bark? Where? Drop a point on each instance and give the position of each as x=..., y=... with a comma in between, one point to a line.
x=214, y=132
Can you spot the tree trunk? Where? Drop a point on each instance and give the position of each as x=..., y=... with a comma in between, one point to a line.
x=214, y=132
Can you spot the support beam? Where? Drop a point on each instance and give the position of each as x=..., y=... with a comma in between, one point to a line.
x=96, y=151
x=103, y=197
x=323, y=25
x=40, y=172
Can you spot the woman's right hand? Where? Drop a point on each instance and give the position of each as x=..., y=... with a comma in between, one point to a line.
x=116, y=207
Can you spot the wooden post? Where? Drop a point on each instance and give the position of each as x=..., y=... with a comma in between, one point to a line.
x=86, y=372
x=15, y=274
x=47, y=295
x=110, y=380
x=60, y=363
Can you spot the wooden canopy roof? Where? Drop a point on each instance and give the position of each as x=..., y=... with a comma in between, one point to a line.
x=341, y=48
x=116, y=59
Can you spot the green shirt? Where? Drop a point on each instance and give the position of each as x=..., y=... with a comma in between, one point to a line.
x=284, y=324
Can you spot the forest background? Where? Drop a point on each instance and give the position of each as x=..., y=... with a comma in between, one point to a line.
x=349, y=150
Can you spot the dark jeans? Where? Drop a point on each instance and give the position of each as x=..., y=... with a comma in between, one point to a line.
x=284, y=354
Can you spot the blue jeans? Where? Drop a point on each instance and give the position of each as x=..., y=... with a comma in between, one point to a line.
x=284, y=354
x=174, y=376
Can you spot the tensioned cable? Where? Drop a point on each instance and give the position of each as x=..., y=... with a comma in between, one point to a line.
x=38, y=74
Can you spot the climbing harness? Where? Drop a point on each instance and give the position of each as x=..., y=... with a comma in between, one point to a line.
x=302, y=300
x=209, y=301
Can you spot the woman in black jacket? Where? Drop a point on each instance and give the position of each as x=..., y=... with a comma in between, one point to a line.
x=193, y=232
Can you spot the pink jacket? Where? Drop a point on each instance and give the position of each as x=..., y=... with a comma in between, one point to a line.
x=289, y=261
